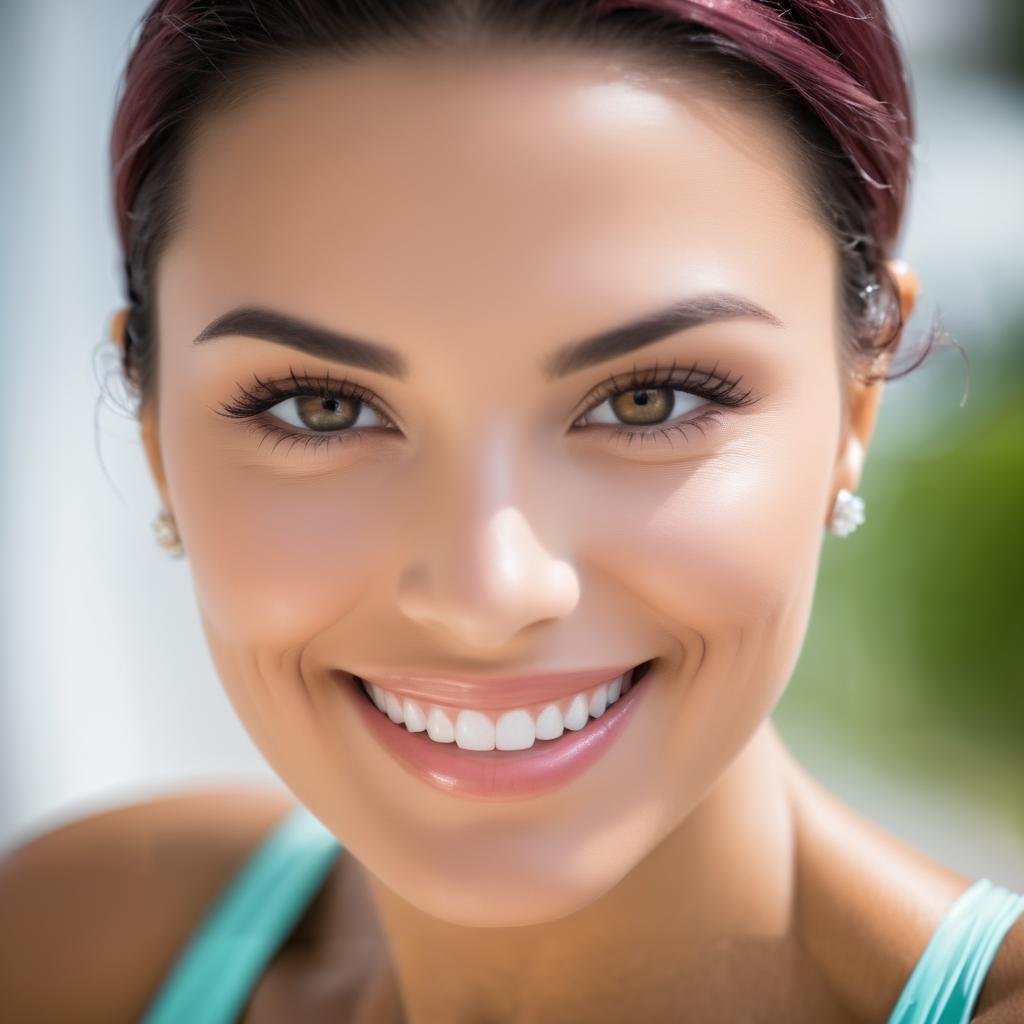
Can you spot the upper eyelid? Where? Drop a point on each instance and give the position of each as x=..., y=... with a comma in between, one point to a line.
x=295, y=385
x=621, y=381
x=667, y=377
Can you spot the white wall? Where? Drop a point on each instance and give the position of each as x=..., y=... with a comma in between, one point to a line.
x=106, y=689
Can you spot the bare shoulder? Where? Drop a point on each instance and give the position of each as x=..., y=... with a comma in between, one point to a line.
x=1002, y=996
x=868, y=904
x=103, y=904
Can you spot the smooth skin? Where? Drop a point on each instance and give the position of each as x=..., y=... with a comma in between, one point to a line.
x=475, y=213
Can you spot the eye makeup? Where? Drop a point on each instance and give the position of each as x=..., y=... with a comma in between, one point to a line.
x=256, y=401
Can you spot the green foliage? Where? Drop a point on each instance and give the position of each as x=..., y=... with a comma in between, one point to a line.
x=915, y=652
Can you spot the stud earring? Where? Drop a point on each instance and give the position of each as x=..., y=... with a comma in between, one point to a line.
x=847, y=513
x=167, y=536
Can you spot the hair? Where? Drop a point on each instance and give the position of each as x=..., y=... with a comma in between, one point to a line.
x=831, y=71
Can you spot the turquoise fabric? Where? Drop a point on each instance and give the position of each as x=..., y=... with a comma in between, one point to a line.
x=947, y=979
x=212, y=979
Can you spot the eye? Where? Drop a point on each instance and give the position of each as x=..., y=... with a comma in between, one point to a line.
x=326, y=413
x=309, y=411
x=651, y=404
x=645, y=407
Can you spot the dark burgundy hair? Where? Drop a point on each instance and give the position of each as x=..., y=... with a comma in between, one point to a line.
x=831, y=70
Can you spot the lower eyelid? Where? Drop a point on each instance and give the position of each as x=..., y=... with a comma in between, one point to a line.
x=662, y=431
x=266, y=423
x=679, y=391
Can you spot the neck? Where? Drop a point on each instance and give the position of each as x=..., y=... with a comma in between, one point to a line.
x=717, y=890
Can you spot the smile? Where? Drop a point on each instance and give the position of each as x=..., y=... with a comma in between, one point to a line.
x=516, y=752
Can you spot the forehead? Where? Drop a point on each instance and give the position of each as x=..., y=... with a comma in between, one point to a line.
x=458, y=185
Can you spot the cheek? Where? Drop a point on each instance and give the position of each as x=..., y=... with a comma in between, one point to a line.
x=727, y=545
x=275, y=559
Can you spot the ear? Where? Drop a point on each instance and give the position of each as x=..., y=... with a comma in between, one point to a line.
x=118, y=322
x=148, y=418
x=907, y=282
x=862, y=401
x=862, y=404
x=149, y=421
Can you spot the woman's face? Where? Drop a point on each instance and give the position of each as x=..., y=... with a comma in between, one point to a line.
x=479, y=512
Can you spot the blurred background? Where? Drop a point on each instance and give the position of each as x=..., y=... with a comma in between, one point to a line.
x=908, y=700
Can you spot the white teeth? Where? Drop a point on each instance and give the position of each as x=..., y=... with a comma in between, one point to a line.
x=394, y=709
x=549, y=723
x=514, y=731
x=577, y=715
x=439, y=727
x=474, y=731
x=615, y=689
x=413, y=715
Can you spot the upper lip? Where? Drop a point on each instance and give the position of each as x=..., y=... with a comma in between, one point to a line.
x=494, y=692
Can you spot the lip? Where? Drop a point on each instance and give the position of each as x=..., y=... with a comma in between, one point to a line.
x=501, y=774
x=495, y=693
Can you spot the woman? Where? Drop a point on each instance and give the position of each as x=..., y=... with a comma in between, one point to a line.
x=501, y=368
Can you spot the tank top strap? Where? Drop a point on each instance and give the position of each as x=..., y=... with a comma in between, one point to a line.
x=212, y=978
x=948, y=977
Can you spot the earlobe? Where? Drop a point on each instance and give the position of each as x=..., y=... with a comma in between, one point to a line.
x=118, y=323
x=151, y=444
x=864, y=401
x=164, y=524
x=850, y=464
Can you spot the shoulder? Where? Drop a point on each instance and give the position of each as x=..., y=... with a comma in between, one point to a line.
x=103, y=904
x=1001, y=1000
x=867, y=902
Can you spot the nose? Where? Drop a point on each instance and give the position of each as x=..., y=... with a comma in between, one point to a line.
x=485, y=578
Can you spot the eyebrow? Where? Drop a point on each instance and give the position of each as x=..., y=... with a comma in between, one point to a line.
x=284, y=329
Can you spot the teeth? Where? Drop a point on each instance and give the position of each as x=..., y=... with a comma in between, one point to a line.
x=513, y=730
x=615, y=689
x=550, y=724
x=577, y=715
x=439, y=727
x=413, y=715
x=474, y=731
x=394, y=709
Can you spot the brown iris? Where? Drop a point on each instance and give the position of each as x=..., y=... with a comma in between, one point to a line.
x=331, y=413
x=651, y=405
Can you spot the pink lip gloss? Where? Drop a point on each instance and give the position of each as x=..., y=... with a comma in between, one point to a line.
x=500, y=774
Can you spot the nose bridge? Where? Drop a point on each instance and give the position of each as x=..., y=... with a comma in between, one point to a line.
x=477, y=565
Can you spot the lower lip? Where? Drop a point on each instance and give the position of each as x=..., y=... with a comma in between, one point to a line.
x=500, y=774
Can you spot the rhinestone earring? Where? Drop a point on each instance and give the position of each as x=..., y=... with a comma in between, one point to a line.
x=847, y=513
x=167, y=536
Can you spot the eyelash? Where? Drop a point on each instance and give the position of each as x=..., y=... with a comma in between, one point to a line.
x=724, y=392
x=262, y=395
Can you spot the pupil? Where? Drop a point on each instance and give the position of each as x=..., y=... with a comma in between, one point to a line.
x=654, y=403
x=324, y=412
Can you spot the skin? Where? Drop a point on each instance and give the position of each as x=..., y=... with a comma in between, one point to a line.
x=474, y=214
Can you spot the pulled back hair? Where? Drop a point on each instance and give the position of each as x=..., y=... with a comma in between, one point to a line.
x=831, y=71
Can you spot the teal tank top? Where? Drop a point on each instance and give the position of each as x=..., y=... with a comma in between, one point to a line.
x=212, y=979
